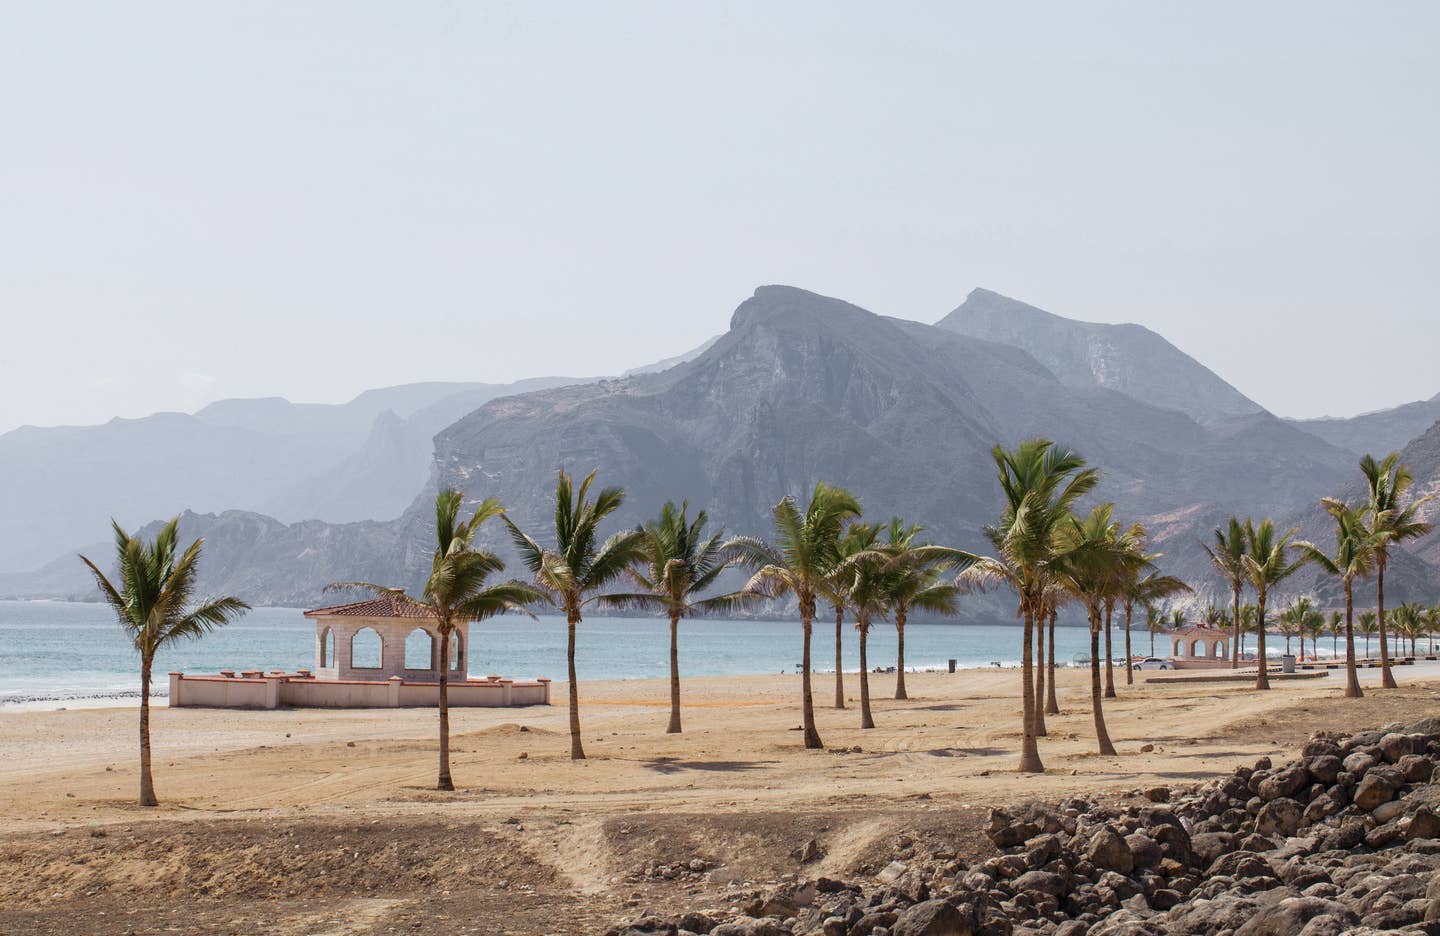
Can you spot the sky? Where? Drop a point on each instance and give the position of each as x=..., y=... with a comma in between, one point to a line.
x=200, y=201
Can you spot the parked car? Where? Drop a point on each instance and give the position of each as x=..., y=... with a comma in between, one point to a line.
x=1151, y=663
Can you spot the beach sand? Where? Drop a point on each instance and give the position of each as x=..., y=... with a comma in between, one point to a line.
x=325, y=821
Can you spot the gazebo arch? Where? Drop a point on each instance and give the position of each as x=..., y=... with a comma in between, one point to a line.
x=420, y=653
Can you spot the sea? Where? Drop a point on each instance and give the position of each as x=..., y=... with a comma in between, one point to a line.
x=54, y=651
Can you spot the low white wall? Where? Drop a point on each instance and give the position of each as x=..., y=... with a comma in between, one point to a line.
x=274, y=691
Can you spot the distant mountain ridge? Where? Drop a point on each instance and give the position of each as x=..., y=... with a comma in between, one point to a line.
x=1130, y=359
x=804, y=387
x=1377, y=433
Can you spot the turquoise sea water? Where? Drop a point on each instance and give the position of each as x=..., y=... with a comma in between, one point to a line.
x=61, y=650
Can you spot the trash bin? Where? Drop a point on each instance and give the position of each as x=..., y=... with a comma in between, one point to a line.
x=1287, y=663
x=952, y=666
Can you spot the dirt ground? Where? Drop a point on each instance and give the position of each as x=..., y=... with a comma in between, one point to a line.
x=308, y=821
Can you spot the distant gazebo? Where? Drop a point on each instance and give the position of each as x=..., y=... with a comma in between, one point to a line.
x=1199, y=646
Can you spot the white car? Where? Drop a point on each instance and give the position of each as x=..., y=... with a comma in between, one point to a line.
x=1151, y=663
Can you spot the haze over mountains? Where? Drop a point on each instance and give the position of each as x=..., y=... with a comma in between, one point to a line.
x=801, y=387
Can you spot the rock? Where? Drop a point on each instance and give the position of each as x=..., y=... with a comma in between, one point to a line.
x=1144, y=850
x=697, y=923
x=1279, y=817
x=871, y=921
x=1108, y=850
x=1423, y=824
x=1284, y=782
x=809, y=852
x=934, y=918
x=891, y=872
x=1358, y=763
x=1209, y=846
x=1045, y=882
x=744, y=927
x=771, y=907
x=1387, y=811
x=1415, y=768
x=1318, y=747
x=1377, y=787
x=1006, y=832
x=1158, y=794
x=1240, y=864
x=1395, y=746
x=1324, y=768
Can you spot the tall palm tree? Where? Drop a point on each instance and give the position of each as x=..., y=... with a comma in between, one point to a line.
x=1390, y=521
x=1267, y=564
x=866, y=594
x=1288, y=624
x=857, y=538
x=1055, y=597
x=572, y=574
x=1354, y=558
x=1312, y=625
x=1228, y=557
x=456, y=592
x=1146, y=590
x=805, y=553
x=912, y=576
x=1247, y=624
x=1093, y=559
x=1409, y=621
x=678, y=563
x=153, y=605
x=1040, y=483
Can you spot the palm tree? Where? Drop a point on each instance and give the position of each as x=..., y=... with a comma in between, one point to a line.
x=1409, y=620
x=678, y=563
x=1354, y=558
x=1246, y=625
x=1369, y=625
x=1312, y=626
x=1146, y=590
x=1387, y=482
x=1288, y=625
x=1304, y=619
x=857, y=538
x=1055, y=597
x=1267, y=564
x=1040, y=483
x=456, y=591
x=1228, y=557
x=866, y=594
x=153, y=605
x=572, y=574
x=1092, y=559
x=1336, y=626
x=912, y=576
x=1156, y=620
x=805, y=554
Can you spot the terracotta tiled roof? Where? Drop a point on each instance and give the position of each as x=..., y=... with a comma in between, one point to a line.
x=395, y=604
x=1197, y=630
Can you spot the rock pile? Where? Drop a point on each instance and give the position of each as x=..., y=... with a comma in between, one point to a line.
x=1344, y=840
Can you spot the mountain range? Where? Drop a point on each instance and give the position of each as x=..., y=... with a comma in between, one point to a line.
x=801, y=387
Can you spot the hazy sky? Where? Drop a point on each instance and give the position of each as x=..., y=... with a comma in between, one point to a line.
x=202, y=200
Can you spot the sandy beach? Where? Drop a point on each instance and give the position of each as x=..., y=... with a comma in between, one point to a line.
x=325, y=821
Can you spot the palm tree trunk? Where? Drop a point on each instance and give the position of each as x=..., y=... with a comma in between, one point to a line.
x=444, y=782
x=1129, y=668
x=865, y=720
x=839, y=671
x=1239, y=628
x=577, y=750
x=1039, y=705
x=1352, y=680
x=1262, y=674
x=1051, y=705
x=1030, y=749
x=807, y=704
x=1102, y=737
x=1152, y=643
x=674, y=727
x=1387, y=678
x=900, y=655
x=1109, y=656
x=147, y=784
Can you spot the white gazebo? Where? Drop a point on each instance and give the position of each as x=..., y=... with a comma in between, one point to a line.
x=388, y=635
x=1199, y=647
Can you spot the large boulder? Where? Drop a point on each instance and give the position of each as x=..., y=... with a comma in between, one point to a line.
x=1279, y=817
x=1044, y=882
x=1395, y=746
x=1107, y=850
x=1286, y=781
x=1324, y=768
x=1378, y=786
x=934, y=918
x=1290, y=916
x=1208, y=846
